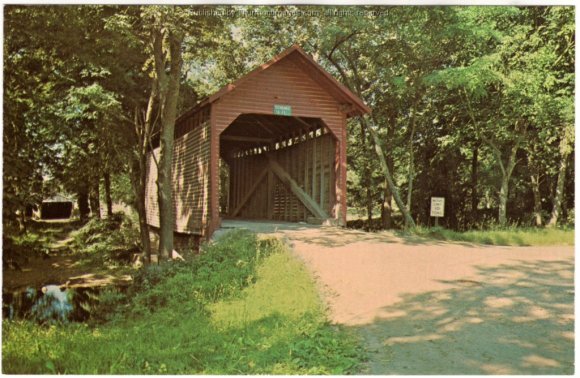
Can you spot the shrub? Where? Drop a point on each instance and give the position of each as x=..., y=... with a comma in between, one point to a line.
x=220, y=271
x=107, y=241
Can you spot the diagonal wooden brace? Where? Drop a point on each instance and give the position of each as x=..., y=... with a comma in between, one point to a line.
x=251, y=191
x=306, y=200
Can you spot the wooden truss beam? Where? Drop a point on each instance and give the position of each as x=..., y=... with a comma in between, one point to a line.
x=264, y=127
x=236, y=138
x=296, y=189
x=249, y=193
x=307, y=126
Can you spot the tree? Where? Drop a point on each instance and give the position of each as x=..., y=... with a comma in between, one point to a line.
x=166, y=40
x=478, y=109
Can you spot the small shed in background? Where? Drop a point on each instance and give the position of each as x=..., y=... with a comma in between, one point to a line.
x=278, y=136
x=56, y=207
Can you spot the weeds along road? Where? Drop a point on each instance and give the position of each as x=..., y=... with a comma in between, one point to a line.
x=430, y=307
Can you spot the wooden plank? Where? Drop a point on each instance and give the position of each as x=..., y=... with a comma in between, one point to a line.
x=314, y=158
x=270, y=194
x=331, y=179
x=306, y=166
x=301, y=169
x=297, y=175
x=296, y=190
x=286, y=197
x=238, y=182
x=322, y=156
x=233, y=181
x=292, y=172
x=250, y=192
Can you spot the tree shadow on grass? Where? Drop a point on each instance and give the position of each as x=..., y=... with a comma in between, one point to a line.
x=171, y=343
x=515, y=319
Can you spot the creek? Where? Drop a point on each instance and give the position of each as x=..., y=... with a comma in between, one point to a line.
x=51, y=304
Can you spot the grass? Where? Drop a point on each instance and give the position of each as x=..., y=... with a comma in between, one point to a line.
x=54, y=252
x=38, y=237
x=245, y=306
x=505, y=237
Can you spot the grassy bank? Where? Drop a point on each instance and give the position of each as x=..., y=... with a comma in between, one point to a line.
x=245, y=306
x=511, y=236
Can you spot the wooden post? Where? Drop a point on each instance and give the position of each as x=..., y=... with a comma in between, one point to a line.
x=314, y=159
x=270, y=209
x=238, y=181
x=321, y=172
x=306, y=166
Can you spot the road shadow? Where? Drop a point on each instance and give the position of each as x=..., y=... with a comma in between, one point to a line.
x=330, y=236
x=514, y=319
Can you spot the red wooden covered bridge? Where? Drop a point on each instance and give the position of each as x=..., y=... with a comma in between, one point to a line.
x=277, y=139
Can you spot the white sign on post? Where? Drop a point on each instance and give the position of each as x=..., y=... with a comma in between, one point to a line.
x=437, y=206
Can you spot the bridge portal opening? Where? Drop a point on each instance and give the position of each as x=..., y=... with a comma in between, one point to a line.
x=279, y=168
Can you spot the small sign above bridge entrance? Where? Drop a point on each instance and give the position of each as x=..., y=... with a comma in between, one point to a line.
x=283, y=110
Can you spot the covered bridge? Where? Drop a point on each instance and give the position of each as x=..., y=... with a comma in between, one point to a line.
x=276, y=137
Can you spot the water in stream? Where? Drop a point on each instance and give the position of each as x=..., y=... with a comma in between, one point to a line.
x=50, y=304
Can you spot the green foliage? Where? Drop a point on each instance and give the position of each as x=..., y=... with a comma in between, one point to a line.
x=122, y=190
x=220, y=271
x=37, y=239
x=263, y=317
x=106, y=305
x=511, y=236
x=493, y=79
x=105, y=240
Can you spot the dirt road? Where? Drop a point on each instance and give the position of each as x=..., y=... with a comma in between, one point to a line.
x=428, y=307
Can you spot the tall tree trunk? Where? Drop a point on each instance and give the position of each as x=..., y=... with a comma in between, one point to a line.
x=139, y=180
x=94, y=198
x=506, y=171
x=143, y=131
x=411, y=168
x=387, y=210
x=474, y=179
x=168, y=95
x=390, y=190
x=566, y=145
x=369, y=204
x=108, y=198
x=411, y=171
x=535, y=178
x=381, y=155
x=83, y=202
x=508, y=167
x=21, y=219
x=367, y=182
x=559, y=196
x=503, y=198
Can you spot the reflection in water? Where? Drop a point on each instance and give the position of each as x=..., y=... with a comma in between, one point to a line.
x=53, y=306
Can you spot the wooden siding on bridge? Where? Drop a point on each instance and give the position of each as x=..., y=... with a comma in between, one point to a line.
x=283, y=83
x=307, y=177
x=191, y=155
